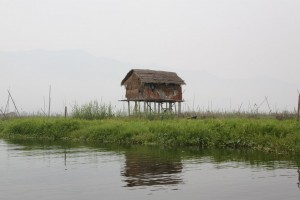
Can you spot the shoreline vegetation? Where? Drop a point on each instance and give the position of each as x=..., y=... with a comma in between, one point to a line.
x=95, y=122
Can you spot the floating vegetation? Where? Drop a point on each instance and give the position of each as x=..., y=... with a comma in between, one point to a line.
x=280, y=136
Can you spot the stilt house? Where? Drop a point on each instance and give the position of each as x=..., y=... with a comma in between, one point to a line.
x=153, y=87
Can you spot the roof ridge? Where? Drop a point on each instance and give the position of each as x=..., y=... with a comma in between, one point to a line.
x=155, y=76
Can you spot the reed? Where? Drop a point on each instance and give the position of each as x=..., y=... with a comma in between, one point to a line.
x=92, y=110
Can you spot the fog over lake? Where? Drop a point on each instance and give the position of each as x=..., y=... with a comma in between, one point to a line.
x=78, y=77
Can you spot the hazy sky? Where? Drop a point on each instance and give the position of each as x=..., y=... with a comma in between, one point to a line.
x=232, y=39
x=229, y=38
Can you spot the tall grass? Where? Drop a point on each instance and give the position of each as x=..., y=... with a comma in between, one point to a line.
x=92, y=110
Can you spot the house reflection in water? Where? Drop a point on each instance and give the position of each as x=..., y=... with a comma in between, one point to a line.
x=151, y=168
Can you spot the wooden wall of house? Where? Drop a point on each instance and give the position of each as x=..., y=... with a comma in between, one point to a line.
x=162, y=91
x=133, y=87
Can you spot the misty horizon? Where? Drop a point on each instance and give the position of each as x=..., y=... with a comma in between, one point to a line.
x=232, y=54
x=72, y=84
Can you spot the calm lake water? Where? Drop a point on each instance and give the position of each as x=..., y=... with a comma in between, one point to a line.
x=68, y=171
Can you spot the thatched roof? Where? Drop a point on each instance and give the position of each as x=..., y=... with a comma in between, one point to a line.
x=151, y=76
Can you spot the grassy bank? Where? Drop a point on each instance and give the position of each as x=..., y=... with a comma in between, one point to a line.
x=281, y=136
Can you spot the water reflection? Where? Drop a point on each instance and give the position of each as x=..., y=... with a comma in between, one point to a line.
x=151, y=166
x=143, y=166
x=298, y=178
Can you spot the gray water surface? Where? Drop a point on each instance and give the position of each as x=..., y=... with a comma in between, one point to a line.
x=46, y=170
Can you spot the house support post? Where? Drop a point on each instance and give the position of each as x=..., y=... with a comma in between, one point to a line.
x=159, y=105
x=139, y=107
x=135, y=107
x=179, y=108
x=128, y=108
x=147, y=109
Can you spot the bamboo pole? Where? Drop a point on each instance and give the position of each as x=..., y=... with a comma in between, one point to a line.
x=14, y=103
x=298, y=115
x=49, y=108
x=2, y=113
x=7, y=105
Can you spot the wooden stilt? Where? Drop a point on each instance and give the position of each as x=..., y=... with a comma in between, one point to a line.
x=135, y=107
x=179, y=108
x=128, y=108
x=147, y=106
x=139, y=105
x=159, y=106
x=170, y=106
